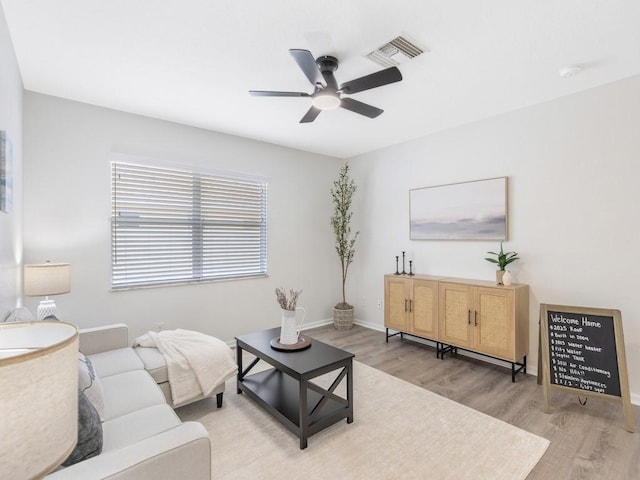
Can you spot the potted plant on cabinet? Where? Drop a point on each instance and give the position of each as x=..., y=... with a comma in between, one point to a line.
x=342, y=195
x=501, y=259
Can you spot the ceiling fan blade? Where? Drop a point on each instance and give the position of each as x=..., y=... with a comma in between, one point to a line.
x=378, y=79
x=361, y=108
x=311, y=115
x=266, y=93
x=307, y=64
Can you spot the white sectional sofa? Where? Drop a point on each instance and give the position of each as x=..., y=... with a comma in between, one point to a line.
x=143, y=438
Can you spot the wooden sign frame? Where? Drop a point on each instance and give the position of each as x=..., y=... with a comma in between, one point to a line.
x=624, y=397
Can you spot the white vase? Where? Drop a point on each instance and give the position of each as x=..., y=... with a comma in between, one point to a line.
x=506, y=278
x=291, y=325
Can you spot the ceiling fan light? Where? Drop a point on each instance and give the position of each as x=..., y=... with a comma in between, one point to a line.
x=326, y=101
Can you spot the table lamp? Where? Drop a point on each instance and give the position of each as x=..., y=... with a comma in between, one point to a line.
x=44, y=279
x=38, y=397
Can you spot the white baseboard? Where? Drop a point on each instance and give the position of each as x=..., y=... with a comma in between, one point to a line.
x=319, y=323
x=371, y=326
x=329, y=321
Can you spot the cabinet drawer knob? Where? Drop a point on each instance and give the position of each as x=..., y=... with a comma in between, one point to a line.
x=469, y=316
x=476, y=319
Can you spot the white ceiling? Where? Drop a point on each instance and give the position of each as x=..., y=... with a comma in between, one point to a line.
x=193, y=61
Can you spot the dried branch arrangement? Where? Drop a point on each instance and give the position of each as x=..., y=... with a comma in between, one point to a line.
x=287, y=300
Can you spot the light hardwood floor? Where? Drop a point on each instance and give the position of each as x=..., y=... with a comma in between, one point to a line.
x=587, y=442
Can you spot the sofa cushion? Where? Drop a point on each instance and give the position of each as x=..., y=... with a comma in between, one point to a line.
x=135, y=426
x=129, y=391
x=90, y=439
x=116, y=361
x=154, y=363
x=89, y=383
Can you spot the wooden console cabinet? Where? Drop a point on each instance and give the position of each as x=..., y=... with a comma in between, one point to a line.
x=411, y=305
x=473, y=315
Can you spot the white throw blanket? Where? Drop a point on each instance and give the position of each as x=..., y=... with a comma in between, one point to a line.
x=196, y=363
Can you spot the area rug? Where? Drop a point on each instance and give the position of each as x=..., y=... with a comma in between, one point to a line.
x=399, y=431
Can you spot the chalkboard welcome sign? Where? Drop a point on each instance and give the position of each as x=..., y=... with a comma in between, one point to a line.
x=583, y=352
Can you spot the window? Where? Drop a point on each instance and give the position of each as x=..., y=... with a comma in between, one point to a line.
x=173, y=226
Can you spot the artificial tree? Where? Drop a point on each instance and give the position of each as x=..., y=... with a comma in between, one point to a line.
x=342, y=195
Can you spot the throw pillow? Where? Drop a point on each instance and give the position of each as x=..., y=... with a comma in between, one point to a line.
x=89, y=383
x=89, y=432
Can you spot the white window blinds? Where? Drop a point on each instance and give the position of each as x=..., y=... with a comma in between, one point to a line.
x=171, y=226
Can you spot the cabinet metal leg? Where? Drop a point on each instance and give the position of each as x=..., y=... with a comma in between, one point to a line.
x=442, y=348
x=392, y=335
x=522, y=367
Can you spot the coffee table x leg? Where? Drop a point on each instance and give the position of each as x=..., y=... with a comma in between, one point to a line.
x=307, y=417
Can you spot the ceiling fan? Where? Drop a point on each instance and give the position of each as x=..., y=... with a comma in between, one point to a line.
x=326, y=94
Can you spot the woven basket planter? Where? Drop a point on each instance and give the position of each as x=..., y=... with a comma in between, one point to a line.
x=342, y=319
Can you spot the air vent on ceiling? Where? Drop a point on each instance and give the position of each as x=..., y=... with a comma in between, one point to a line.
x=395, y=52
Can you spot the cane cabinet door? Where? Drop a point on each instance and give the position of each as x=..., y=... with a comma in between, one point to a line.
x=423, y=308
x=455, y=314
x=494, y=322
x=395, y=303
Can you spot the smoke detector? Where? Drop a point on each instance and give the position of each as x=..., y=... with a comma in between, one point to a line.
x=395, y=52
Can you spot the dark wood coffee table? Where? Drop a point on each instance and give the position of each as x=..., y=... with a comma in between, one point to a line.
x=285, y=391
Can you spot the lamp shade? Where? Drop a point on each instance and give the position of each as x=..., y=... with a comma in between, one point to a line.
x=44, y=279
x=38, y=397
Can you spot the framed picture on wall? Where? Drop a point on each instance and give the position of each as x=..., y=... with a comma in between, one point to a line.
x=6, y=174
x=474, y=210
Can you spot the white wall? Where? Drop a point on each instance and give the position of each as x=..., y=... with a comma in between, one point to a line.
x=574, y=171
x=11, y=223
x=67, y=210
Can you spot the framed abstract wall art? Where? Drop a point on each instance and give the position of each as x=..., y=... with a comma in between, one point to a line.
x=474, y=210
x=6, y=174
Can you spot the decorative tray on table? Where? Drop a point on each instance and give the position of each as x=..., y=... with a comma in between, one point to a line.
x=303, y=342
